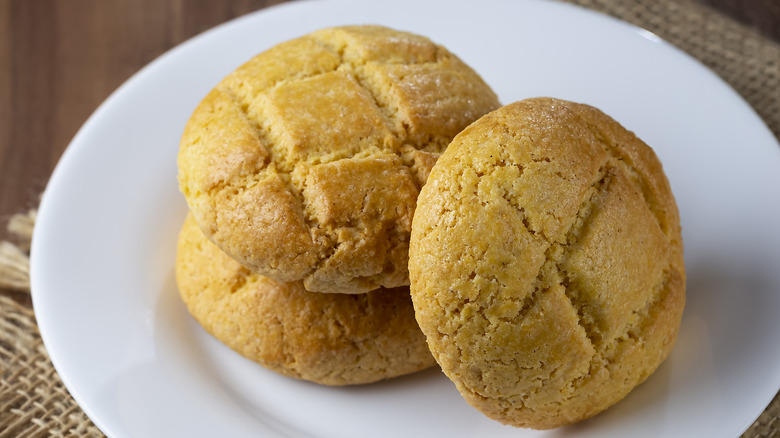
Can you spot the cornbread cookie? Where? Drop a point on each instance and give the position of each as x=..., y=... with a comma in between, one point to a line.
x=333, y=339
x=306, y=162
x=546, y=263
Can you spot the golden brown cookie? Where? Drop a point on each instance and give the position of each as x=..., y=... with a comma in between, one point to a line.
x=306, y=162
x=546, y=263
x=333, y=339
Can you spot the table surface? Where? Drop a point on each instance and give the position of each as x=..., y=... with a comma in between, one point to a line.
x=60, y=60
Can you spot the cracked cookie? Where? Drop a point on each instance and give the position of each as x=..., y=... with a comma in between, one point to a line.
x=305, y=163
x=332, y=339
x=546, y=263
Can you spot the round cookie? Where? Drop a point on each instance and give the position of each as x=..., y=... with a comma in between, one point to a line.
x=332, y=339
x=305, y=163
x=546, y=263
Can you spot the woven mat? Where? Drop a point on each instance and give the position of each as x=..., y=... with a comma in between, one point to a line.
x=33, y=400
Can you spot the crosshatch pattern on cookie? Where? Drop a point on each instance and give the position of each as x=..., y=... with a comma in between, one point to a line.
x=344, y=98
x=546, y=263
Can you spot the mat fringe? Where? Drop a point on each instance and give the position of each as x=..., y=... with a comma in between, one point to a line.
x=14, y=257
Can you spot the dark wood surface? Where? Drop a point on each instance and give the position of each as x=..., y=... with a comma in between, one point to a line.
x=59, y=59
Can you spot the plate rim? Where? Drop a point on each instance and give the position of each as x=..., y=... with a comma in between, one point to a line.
x=76, y=145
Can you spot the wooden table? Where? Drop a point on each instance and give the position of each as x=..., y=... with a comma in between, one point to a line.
x=60, y=59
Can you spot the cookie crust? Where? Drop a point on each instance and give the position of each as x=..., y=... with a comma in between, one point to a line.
x=546, y=263
x=305, y=163
x=331, y=339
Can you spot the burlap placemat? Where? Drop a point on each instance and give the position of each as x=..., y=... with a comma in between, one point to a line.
x=33, y=400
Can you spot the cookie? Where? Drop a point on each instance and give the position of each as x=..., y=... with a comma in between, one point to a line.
x=305, y=163
x=546, y=263
x=332, y=339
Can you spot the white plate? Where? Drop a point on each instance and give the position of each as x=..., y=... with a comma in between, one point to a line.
x=102, y=276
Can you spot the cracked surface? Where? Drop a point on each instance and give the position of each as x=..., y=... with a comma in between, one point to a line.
x=546, y=263
x=305, y=163
x=332, y=339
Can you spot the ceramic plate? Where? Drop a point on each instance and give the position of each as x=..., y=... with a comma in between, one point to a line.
x=126, y=348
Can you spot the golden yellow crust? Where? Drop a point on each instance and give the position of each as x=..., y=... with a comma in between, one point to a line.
x=306, y=162
x=332, y=339
x=546, y=263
